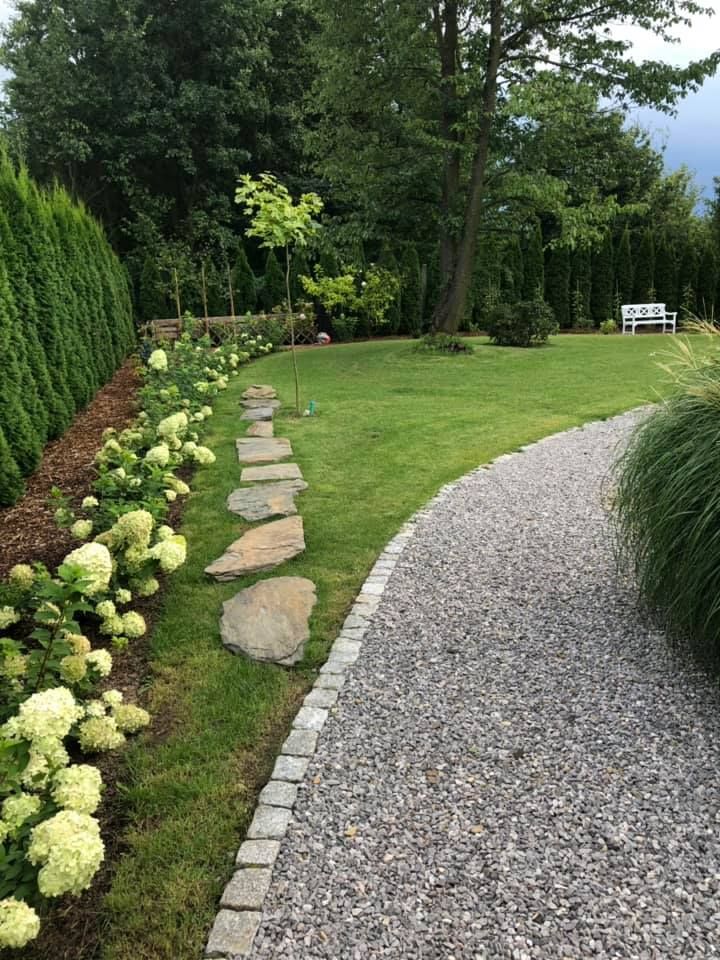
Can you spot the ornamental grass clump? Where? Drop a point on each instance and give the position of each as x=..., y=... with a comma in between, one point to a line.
x=667, y=506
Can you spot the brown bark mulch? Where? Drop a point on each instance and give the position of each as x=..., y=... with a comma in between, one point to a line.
x=28, y=532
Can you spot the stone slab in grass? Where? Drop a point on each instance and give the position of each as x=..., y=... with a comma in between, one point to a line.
x=261, y=428
x=263, y=450
x=266, y=500
x=255, y=404
x=260, y=391
x=263, y=548
x=269, y=622
x=279, y=471
x=258, y=413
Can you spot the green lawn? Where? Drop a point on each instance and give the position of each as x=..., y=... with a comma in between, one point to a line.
x=392, y=427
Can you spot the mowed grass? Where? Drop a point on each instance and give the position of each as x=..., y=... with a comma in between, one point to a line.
x=392, y=427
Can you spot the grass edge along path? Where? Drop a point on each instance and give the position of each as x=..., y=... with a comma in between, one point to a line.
x=393, y=427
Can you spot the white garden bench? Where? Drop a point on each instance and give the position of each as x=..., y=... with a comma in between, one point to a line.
x=645, y=315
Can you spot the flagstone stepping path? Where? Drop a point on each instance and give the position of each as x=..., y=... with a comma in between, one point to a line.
x=260, y=391
x=255, y=404
x=261, y=548
x=269, y=621
x=258, y=413
x=261, y=428
x=275, y=471
x=266, y=500
x=263, y=450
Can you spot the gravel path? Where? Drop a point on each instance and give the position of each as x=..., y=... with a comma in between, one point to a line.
x=516, y=768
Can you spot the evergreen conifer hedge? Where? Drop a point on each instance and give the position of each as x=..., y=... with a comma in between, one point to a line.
x=66, y=320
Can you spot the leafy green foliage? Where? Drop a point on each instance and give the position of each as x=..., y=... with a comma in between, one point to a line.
x=533, y=282
x=624, y=268
x=601, y=291
x=244, y=283
x=557, y=284
x=608, y=326
x=644, y=276
x=443, y=343
x=528, y=323
x=152, y=300
x=410, y=290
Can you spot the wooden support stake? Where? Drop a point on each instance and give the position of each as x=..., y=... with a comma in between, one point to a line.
x=205, y=306
x=177, y=294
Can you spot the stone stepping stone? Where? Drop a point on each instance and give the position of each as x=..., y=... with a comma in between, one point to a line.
x=259, y=413
x=266, y=500
x=261, y=428
x=263, y=450
x=263, y=548
x=269, y=621
x=276, y=471
x=254, y=404
x=260, y=391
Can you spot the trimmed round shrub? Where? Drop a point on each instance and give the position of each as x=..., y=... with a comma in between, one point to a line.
x=528, y=323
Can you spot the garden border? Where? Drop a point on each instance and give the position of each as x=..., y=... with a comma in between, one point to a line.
x=238, y=920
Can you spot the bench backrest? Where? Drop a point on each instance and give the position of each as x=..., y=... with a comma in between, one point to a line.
x=638, y=311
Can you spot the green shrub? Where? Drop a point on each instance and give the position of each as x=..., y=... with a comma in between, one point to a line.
x=344, y=328
x=608, y=326
x=525, y=324
x=667, y=507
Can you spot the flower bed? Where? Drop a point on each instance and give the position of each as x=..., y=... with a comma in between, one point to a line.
x=54, y=629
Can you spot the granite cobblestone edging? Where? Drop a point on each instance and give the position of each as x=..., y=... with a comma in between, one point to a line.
x=238, y=920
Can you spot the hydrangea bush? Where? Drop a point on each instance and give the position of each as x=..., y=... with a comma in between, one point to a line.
x=50, y=707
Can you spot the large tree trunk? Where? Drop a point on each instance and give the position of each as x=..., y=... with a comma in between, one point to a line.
x=447, y=33
x=451, y=306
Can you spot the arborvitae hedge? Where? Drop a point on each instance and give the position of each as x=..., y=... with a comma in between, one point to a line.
x=273, y=293
x=244, y=284
x=533, y=262
x=557, y=284
x=65, y=319
x=601, y=292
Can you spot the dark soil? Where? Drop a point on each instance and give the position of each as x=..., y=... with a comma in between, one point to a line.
x=28, y=532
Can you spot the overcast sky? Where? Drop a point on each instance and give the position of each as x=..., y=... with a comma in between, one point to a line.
x=693, y=137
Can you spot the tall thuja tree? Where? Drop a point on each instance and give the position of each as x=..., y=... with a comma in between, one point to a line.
x=117, y=302
x=37, y=388
x=534, y=263
x=11, y=482
x=580, y=286
x=644, y=274
x=688, y=281
x=601, y=292
x=666, y=273
x=280, y=222
x=557, y=283
x=152, y=298
x=300, y=268
x=243, y=283
x=624, y=269
x=25, y=445
x=450, y=69
x=513, y=270
x=411, y=290
x=388, y=261
x=707, y=281
x=273, y=291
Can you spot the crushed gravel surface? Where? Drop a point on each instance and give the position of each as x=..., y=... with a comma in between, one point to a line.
x=517, y=766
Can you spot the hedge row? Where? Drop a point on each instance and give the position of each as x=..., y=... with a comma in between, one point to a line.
x=66, y=320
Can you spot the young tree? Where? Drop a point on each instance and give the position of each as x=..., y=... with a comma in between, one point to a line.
x=279, y=222
x=624, y=269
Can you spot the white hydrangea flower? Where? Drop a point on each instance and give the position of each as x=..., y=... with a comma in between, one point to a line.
x=105, y=609
x=123, y=596
x=204, y=456
x=112, y=446
x=133, y=528
x=173, y=426
x=180, y=487
x=133, y=625
x=198, y=417
x=146, y=588
x=221, y=383
x=95, y=708
x=119, y=473
x=112, y=626
x=171, y=554
x=164, y=532
x=81, y=529
x=159, y=455
x=113, y=698
x=21, y=576
x=158, y=361
x=189, y=448
x=130, y=718
x=89, y=503
x=96, y=564
x=8, y=616
x=101, y=661
x=73, y=669
x=47, y=754
x=97, y=734
x=71, y=851
x=50, y=713
x=19, y=924
x=77, y=643
x=234, y=359
x=13, y=666
x=170, y=496
x=78, y=788
x=18, y=808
